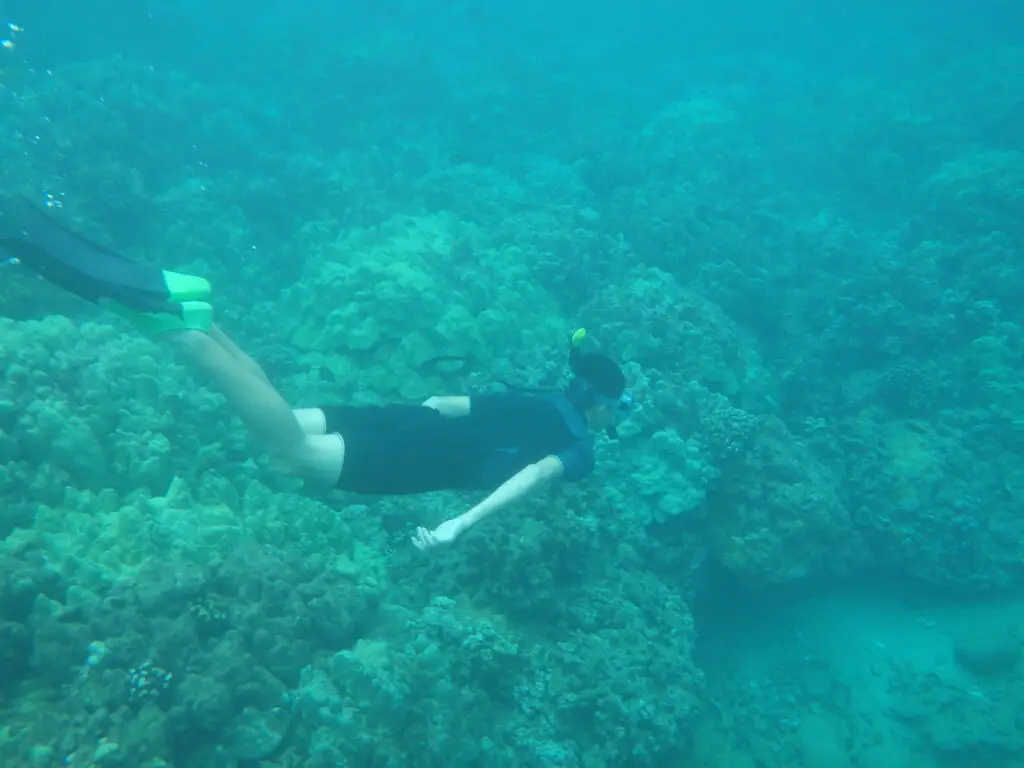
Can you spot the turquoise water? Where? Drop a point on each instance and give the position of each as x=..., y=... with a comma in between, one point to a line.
x=796, y=226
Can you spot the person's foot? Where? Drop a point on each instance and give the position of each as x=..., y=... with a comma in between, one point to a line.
x=445, y=533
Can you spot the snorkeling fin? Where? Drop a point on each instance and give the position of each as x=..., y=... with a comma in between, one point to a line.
x=155, y=299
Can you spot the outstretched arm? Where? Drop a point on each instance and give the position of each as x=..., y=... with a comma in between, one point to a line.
x=524, y=483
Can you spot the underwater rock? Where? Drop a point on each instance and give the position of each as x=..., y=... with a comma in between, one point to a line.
x=777, y=516
x=22, y=582
x=15, y=651
x=988, y=650
x=255, y=734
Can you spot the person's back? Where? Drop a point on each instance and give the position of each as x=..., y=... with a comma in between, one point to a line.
x=511, y=431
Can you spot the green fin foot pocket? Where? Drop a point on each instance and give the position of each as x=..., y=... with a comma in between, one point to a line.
x=179, y=316
x=182, y=288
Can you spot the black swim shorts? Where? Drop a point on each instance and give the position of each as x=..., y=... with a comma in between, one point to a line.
x=401, y=449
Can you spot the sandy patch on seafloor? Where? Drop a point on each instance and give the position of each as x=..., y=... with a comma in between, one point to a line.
x=864, y=642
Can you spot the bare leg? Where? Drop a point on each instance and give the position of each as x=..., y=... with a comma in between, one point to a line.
x=236, y=352
x=312, y=421
x=261, y=408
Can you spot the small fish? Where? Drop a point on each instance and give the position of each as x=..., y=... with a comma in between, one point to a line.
x=7, y=45
x=14, y=27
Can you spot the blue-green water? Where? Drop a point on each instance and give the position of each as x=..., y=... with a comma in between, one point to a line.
x=798, y=226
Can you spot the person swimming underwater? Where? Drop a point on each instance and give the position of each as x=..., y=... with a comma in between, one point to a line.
x=511, y=445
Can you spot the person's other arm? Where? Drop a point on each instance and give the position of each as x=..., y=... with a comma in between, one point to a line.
x=528, y=481
x=449, y=406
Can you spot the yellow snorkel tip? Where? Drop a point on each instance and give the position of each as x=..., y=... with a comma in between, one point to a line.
x=578, y=337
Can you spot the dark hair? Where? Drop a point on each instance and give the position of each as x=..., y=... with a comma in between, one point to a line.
x=599, y=373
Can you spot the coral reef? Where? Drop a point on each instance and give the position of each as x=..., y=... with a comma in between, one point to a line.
x=811, y=281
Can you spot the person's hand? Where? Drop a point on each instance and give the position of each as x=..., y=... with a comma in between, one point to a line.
x=445, y=533
x=448, y=405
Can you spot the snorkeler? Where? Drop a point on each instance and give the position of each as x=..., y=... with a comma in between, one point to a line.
x=511, y=444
